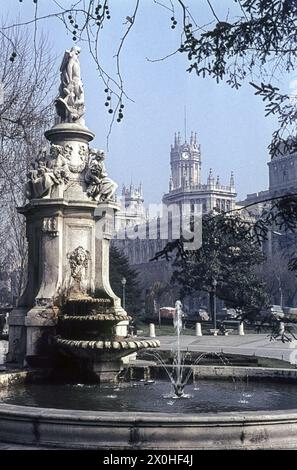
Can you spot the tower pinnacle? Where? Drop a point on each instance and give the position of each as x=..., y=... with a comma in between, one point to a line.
x=232, y=182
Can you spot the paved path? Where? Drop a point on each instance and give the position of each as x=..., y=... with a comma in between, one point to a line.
x=248, y=345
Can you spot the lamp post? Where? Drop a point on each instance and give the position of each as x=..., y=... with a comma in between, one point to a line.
x=214, y=303
x=280, y=289
x=124, y=281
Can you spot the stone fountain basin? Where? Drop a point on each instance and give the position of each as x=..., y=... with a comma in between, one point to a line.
x=76, y=429
x=70, y=429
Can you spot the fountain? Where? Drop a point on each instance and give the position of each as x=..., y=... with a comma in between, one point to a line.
x=70, y=324
x=68, y=313
x=179, y=373
x=178, y=383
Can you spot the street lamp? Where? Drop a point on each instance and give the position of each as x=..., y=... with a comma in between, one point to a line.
x=124, y=281
x=280, y=289
x=214, y=303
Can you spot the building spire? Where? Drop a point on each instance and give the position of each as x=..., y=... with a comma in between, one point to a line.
x=232, y=182
x=210, y=179
x=185, y=122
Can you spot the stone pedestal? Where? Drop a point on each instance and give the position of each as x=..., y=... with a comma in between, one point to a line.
x=17, y=337
x=107, y=371
x=58, y=223
x=68, y=309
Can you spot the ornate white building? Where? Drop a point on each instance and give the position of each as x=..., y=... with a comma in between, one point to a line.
x=185, y=185
x=132, y=211
x=282, y=181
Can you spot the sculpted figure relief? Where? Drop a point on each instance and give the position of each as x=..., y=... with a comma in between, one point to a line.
x=79, y=262
x=70, y=103
x=100, y=187
x=46, y=172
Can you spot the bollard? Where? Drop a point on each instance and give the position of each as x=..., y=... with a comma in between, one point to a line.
x=198, y=329
x=241, y=329
x=152, y=333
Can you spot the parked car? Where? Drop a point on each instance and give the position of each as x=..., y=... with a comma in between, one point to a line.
x=203, y=314
x=228, y=313
x=167, y=312
x=275, y=311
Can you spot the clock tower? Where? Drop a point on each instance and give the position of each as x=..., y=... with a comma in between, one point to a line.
x=185, y=160
x=185, y=185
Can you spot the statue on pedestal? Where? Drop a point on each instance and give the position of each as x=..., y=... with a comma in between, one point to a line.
x=68, y=307
x=70, y=103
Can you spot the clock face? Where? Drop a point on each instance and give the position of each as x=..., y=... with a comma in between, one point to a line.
x=185, y=155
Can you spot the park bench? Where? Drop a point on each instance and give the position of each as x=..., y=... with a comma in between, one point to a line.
x=214, y=331
x=227, y=331
x=224, y=333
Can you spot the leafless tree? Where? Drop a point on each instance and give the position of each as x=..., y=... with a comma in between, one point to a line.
x=280, y=282
x=25, y=112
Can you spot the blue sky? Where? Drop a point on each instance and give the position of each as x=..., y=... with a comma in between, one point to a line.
x=231, y=127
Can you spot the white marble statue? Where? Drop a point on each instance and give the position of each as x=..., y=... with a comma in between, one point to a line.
x=100, y=187
x=70, y=103
x=46, y=172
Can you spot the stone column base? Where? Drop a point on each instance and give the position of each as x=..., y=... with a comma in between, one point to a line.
x=40, y=324
x=107, y=371
x=17, y=338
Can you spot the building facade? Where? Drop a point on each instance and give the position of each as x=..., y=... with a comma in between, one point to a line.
x=280, y=244
x=140, y=237
x=185, y=185
x=132, y=210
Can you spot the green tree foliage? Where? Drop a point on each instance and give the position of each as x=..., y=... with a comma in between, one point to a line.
x=256, y=38
x=119, y=268
x=232, y=41
x=229, y=257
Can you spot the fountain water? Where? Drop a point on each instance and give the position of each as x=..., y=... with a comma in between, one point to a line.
x=178, y=383
x=180, y=372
